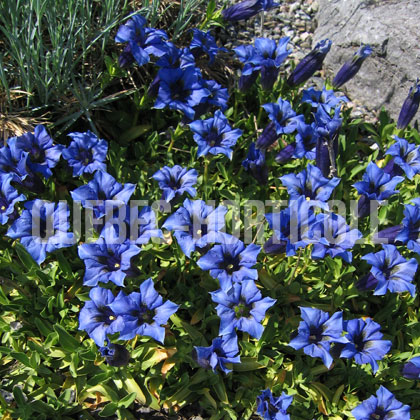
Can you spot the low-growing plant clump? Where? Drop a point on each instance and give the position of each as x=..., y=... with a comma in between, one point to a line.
x=221, y=235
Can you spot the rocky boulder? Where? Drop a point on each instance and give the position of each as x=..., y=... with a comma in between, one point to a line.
x=391, y=27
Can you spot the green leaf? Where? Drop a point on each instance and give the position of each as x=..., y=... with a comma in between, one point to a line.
x=22, y=358
x=66, y=341
x=127, y=400
x=24, y=257
x=109, y=410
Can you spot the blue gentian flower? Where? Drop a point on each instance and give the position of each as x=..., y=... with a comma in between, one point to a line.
x=105, y=262
x=42, y=227
x=196, y=225
x=143, y=313
x=317, y=332
x=175, y=181
x=8, y=198
x=218, y=98
x=351, y=67
x=247, y=9
x=180, y=89
x=310, y=63
x=383, y=406
x=283, y=116
x=306, y=139
x=255, y=163
x=97, y=318
x=410, y=106
x=406, y=156
x=241, y=306
x=411, y=369
x=327, y=128
x=14, y=161
x=271, y=408
x=215, y=135
x=137, y=228
x=115, y=354
x=105, y=189
x=175, y=58
x=309, y=183
x=376, y=185
x=268, y=137
x=326, y=98
x=265, y=57
x=141, y=41
x=293, y=227
x=203, y=42
x=222, y=350
x=230, y=262
x=42, y=154
x=244, y=54
x=86, y=153
x=410, y=231
x=365, y=342
x=392, y=271
x=334, y=237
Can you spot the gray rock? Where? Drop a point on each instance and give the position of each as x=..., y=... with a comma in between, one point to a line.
x=391, y=28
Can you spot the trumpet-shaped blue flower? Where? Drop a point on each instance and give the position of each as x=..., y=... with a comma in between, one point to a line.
x=306, y=139
x=196, y=225
x=327, y=129
x=203, y=42
x=215, y=135
x=231, y=262
x=317, y=332
x=365, y=342
x=406, y=156
x=376, y=185
x=334, y=238
x=410, y=231
x=265, y=57
x=411, y=369
x=97, y=318
x=115, y=354
x=326, y=98
x=180, y=89
x=268, y=137
x=283, y=116
x=293, y=227
x=143, y=313
x=86, y=153
x=42, y=227
x=218, y=98
x=310, y=63
x=175, y=58
x=392, y=271
x=42, y=154
x=223, y=350
x=105, y=262
x=141, y=41
x=410, y=106
x=271, y=408
x=255, y=163
x=247, y=9
x=241, y=306
x=384, y=406
x=8, y=198
x=139, y=227
x=351, y=67
x=14, y=161
x=309, y=183
x=106, y=190
x=175, y=181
